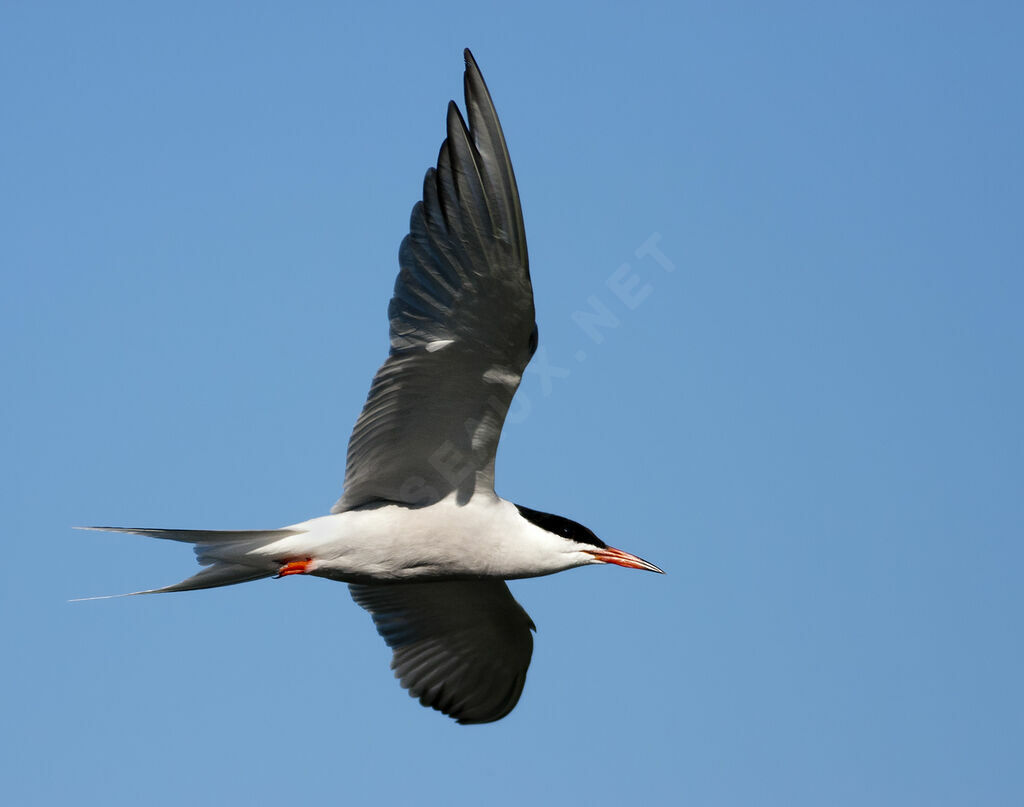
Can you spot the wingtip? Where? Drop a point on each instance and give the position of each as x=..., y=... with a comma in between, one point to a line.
x=472, y=68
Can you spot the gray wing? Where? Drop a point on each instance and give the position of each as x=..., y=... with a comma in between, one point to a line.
x=461, y=646
x=462, y=326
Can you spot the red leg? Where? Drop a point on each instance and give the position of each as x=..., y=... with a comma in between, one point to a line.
x=294, y=567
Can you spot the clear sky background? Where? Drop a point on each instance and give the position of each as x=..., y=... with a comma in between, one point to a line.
x=813, y=422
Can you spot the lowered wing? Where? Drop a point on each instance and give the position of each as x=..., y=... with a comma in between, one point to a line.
x=460, y=646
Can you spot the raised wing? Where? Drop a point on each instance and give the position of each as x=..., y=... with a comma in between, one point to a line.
x=462, y=326
x=462, y=647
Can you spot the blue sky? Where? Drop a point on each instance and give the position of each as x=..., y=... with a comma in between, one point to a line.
x=812, y=421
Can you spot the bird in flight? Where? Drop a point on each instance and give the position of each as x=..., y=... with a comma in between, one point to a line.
x=419, y=535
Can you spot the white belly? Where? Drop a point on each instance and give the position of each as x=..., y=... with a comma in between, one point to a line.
x=486, y=537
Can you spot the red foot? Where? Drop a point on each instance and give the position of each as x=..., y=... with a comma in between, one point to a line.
x=294, y=567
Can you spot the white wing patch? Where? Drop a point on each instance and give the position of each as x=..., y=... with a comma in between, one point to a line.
x=499, y=375
x=438, y=344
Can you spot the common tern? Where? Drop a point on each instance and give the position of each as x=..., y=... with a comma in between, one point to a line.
x=419, y=534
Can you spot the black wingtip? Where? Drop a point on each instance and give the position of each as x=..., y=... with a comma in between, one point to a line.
x=472, y=68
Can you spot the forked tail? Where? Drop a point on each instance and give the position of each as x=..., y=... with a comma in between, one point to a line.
x=226, y=554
